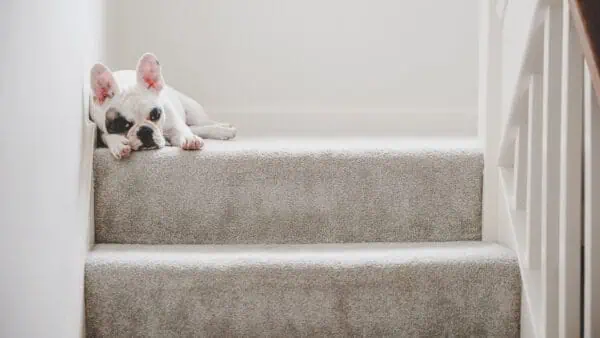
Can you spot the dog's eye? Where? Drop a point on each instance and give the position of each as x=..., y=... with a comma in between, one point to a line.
x=155, y=114
x=118, y=124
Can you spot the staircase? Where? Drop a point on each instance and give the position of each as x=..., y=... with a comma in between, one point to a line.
x=297, y=238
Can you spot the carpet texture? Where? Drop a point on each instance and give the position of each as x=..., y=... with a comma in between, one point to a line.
x=270, y=192
x=457, y=289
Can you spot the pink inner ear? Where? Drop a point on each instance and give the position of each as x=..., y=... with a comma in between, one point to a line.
x=103, y=87
x=150, y=81
x=151, y=75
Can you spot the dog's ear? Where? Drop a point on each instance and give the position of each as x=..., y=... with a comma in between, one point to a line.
x=149, y=74
x=103, y=83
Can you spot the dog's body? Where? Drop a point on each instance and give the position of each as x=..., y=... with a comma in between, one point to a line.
x=137, y=110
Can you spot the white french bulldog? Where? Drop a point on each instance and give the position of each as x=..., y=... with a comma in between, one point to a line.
x=136, y=110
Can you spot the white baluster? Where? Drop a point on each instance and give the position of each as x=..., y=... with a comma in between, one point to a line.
x=490, y=113
x=591, y=211
x=570, y=181
x=508, y=151
x=550, y=170
x=533, y=250
x=520, y=183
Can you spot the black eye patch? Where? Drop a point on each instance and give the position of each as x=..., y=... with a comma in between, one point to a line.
x=117, y=124
x=155, y=114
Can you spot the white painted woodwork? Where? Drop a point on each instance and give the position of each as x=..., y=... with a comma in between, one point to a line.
x=520, y=182
x=550, y=148
x=533, y=232
x=591, y=317
x=550, y=169
x=531, y=279
x=523, y=27
x=490, y=113
x=570, y=181
x=506, y=156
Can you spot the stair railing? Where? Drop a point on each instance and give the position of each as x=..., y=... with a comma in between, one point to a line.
x=549, y=165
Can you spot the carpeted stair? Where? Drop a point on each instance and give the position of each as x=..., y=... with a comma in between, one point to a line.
x=297, y=238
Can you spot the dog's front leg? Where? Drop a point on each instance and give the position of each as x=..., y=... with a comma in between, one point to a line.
x=118, y=145
x=181, y=136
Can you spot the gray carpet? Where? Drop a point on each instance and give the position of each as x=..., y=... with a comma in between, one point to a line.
x=265, y=223
x=259, y=192
x=462, y=289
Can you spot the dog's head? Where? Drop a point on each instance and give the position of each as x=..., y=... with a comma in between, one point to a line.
x=134, y=111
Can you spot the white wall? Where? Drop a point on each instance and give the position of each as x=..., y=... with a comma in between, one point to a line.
x=353, y=66
x=47, y=47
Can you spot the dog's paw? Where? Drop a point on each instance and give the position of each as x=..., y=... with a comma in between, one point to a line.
x=135, y=143
x=191, y=142
x=227, y=131
x=120, y=150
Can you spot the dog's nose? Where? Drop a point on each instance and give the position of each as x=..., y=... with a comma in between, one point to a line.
x=145, y=135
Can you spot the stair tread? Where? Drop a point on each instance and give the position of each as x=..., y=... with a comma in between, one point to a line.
x=312, y=144
x=343, y=253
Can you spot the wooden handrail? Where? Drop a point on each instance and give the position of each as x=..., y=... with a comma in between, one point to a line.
x=586, y=15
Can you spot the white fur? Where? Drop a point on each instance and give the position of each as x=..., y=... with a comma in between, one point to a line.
x=183, y=122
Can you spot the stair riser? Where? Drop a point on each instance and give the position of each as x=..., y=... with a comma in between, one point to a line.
x=325, y=197
x=429, y=299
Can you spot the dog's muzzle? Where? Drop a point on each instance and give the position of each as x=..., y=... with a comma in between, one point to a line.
x=146, y=135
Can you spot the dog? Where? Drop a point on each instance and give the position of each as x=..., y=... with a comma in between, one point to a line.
x=136, y=110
